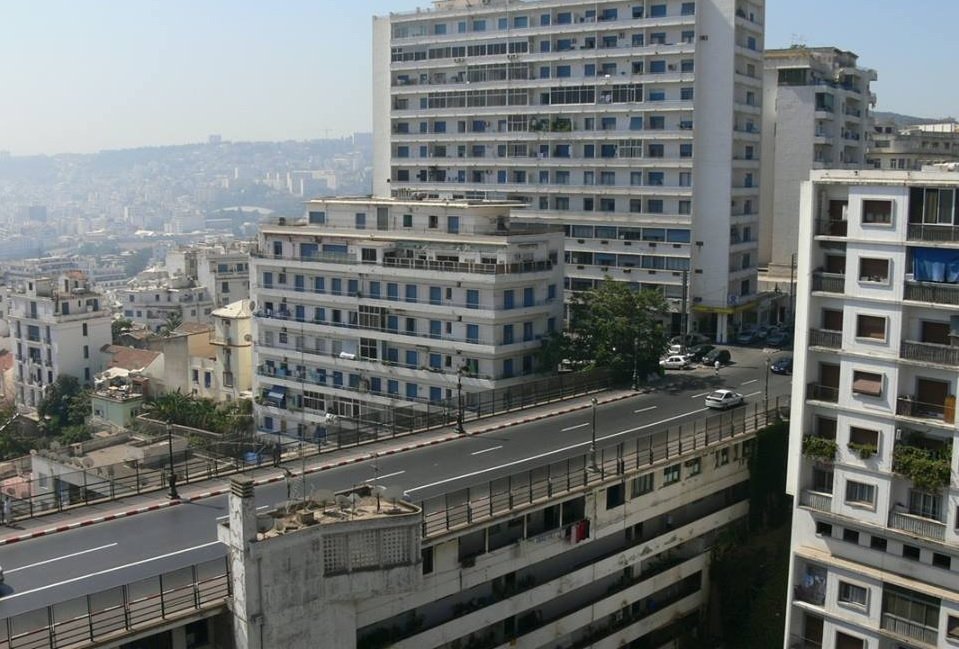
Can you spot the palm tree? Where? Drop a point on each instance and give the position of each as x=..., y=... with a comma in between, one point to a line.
x=173, y=320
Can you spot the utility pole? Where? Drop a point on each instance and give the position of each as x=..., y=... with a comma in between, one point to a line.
x=169, y=440
x=635, y=363
x=766, y=390
x=459, y=401
x=592, y=442
x=683, y=321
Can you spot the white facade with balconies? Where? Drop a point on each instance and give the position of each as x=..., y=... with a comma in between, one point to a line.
x=873, y=453
x=369, y=304
x=57, y=328
x=634, y=125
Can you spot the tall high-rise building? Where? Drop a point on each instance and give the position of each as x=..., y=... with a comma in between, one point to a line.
x=369, y=304
x=815, y=116
x=873, y=452
x=58, y=326
x=635, y=125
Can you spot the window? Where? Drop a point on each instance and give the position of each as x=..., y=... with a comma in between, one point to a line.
x=844, y=641
x=925, y=504
x=877, y=212
x=870, y=326
x=853, y=594
x=687, y=9
x=850, y=536
x=867, y=383
x=615, y=495
x=863, y=441
x=642, y=485
x=940, y=560
x=84, y=328
x=360, y=220
x=694, y=467
x=952, y=627
x=671, y=474
x=878, y=543
x=823, y=529
x=860, y=493
x=472, y=333
x=874, y=270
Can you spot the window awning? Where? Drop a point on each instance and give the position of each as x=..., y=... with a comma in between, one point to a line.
x=277, y=393
x=870, y=384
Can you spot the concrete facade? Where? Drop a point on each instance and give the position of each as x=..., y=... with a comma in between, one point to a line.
x=634, y=126
x=873, y=453
x=913, y=147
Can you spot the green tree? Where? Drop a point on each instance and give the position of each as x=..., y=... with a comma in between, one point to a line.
x=118, y=326
x=173, y=320
x=612, y=326
x=55, y=406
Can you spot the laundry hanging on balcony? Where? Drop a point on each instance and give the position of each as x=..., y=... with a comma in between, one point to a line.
x=935, y=265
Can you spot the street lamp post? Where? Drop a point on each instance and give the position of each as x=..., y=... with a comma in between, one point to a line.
x=459, y=402
x=635, y=363
x=169, y=441
x=766, y=389
x=592, y=441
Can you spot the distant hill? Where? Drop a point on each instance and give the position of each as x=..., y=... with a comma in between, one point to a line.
x=909, y=120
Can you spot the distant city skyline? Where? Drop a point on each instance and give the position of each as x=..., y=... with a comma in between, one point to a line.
x=83, y=77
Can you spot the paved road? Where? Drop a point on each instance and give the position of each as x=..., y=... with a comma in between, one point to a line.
x=89, y=559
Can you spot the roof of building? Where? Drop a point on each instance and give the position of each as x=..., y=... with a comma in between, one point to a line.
x=192, y=328
x=129, y=358
x=238, y=309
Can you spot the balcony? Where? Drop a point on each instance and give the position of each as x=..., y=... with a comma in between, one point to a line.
x=831, y=228
x=930, y=353
x=828, y=282
x=816, y=500
x=927, y=528
x=825, y=338
x=932, y=232
x=909, y=629
x=910, y=406
x=819, y=392
x=934, y=293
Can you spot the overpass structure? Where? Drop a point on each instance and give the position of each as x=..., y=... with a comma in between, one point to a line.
x=533, y=535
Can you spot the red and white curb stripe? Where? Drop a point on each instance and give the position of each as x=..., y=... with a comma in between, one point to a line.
x=163, y=504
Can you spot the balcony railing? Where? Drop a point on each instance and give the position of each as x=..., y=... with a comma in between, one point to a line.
x=420, y=264
x=930, y=353
x=909, y=629
x=909, y=406
x=918, y=525
x=932, y=232
x=829, y=282
x=932, y=292
x=821, y=392
x=816, y=500
x=831, y=228
x=825, y=338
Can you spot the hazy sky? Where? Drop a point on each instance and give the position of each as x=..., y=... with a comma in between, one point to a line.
x=84, y=75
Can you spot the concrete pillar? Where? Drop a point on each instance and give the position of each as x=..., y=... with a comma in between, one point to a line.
x=247, y=606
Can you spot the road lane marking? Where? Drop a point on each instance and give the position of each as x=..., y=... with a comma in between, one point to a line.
x=223, y=518
x=487, y=450
x=383, y=477
x=66, y=556
x=636, y=412
x=752, y=394
x=574, y=427
x=748, y=382
x=539, y=456
x=696, y=396
x=109, y=570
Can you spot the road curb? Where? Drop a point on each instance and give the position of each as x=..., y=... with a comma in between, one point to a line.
x=164, y=504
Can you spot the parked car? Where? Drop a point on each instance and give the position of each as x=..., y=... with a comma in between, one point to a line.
x=696, y=353
x=721, y=355
x=723, y=399
x=748, y=336
x=675, y=362
x=691, y=340
x=782, y=365
x=778, y=338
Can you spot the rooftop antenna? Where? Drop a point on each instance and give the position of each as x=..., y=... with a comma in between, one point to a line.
x=797, y=40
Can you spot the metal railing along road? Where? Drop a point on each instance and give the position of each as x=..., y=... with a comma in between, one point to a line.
x=501, y=496
x=112, y=614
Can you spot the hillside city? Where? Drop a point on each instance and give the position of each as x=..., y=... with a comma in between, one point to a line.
x=617, y=329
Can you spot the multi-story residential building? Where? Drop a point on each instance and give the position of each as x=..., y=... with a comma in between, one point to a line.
x=224, y=269
x=154, y=303
x=374, y=303
x=58, y=326
x=233, y=341
x=815, y=116
x=635, y=125
x=912, y=147
x=873, y=452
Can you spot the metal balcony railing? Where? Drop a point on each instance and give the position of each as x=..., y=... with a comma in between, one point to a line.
x=909, y=629
x=930, y=353
x=816, y=500
x=828, y=282
x=932, y=292
x=831, y=228
x=909, y=406
x=825, y=338
x=821, y=392
x=932, y=232
x=918, y=525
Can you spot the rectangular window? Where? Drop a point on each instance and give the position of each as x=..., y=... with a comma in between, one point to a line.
x=615, y=495
x=867, y=383
x=360, y=220
x=642, y=485
x=472, y=333
x=860, y=493
x=671, y=474
x=871, y=326
x=844, y=641
x=874, y=270
x=877, y=212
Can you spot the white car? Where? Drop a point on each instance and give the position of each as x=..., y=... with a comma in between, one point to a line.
x=722, y=399
x=675, y=362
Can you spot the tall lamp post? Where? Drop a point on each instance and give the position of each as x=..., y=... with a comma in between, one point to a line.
x=592, y=441
x=169, y=443
x=766, y=389
x=635, y=363
x=459, y=401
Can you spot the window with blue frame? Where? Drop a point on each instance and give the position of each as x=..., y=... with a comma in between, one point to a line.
x=655, y=178
x=472, y=298
x=472, y=333
x=352, y=287
x=529, y=296
x=509, y=299
x=412, y=358
x=453, y=224
x=436, y=295
x=375, y=290
x=544, y=19
x=319, y=285
x=354, y=380
x=392, y=291
x=527, y=331
x=436, y=394
x=402, y=152
x=604, y=259
x=439, y=29
x=551, y=292
x=609, y=14
x=479, y=25
x=392, y=323
x=564, y=44
x=412, y=391
x=338, y=379
x=376, y=384
x=299, y=312
x=411, y=292
x=563, y=71
x=550, y=325
x=439, y=127
x=318, y=217
x=657, y=11
x=360, y=221
x=687, y=9
x=267, y=280
x=392, y=386
x=507, y=368
x=657, y=95
x=564, y=18
x=436, y=328
x=319, y=314
x=520, y=22
x=657, y=67
x=678, y=236
x=436, y=361
x=508, y=334
x=461, y=27
x=502, y=23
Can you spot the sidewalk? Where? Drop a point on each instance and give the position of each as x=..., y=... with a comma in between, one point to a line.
x=84, y=515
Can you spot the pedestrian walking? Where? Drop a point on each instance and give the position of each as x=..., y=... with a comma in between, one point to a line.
x=7, y=511
x=716, y=365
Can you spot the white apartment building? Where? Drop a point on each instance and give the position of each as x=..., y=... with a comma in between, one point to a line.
x=232, y=339
x=153, y=302
x=58, y=326
x=223, y=268
x=873, y=452
x=815, y=116
x=912, y=147
x=374, y=303
x=634, y=125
